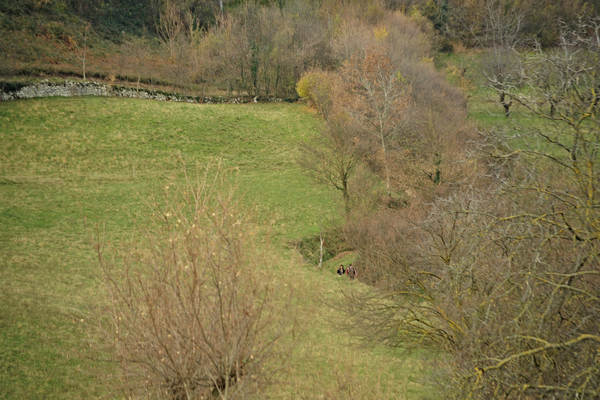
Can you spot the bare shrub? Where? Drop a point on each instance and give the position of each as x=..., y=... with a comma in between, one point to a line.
x=333, y=157
x=190, y=305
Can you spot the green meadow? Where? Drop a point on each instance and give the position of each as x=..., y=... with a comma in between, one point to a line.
x=520, y=129
x=71, y=166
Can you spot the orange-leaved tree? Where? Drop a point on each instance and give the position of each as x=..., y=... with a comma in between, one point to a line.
x=376, y=96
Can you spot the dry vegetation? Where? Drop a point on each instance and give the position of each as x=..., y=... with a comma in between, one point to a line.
x=390, y=109
x=192, y=314
x=491, y=253
x=475, y=245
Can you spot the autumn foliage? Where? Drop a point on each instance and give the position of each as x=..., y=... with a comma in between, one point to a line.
x=500, y=269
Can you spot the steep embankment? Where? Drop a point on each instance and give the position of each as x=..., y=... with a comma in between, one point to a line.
x=109, y=41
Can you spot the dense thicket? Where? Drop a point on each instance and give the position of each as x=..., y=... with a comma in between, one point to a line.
x=254, y=47
x=398, y=113
x=500, y=269
x=262, y=50
x=470, y=21
x=258, y=48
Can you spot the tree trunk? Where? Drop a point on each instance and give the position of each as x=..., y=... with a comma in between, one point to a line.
x=277, y=79
x=507, y=108
x=346, y=196
x=321, y=241
x=84, y=49
x=505, y=104
x=385, y=166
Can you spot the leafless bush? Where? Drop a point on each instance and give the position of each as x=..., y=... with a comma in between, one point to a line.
x=190, y=308
x=334, y=156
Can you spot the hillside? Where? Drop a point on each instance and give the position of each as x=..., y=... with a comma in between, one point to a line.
x=111, y=41
x=70, y=165
x=445, y=152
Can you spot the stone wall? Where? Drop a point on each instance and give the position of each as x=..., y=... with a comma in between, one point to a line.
x=73, y=88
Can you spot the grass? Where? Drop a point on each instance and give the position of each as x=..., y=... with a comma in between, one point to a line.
x=464, y=69
x=70, y=164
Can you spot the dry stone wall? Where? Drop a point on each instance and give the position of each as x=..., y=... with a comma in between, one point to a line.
x=73, y=88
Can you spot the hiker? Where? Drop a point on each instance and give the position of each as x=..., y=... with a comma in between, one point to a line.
x=341, y=271
x=351, y=271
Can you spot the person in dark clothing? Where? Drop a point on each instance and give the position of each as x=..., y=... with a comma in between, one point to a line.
x=341, y=270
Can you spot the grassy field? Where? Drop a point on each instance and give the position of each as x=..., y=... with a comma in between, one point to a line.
x=464, y=69
x=67, y=165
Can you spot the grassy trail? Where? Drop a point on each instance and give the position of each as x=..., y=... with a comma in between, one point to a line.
x=67, y=165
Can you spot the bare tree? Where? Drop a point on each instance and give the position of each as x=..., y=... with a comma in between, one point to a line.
x=81, y=49
x=171, y=25
x=501, y=34
x=564, y=80
x=84, y=51
x=190, y=310
x=377, y=96
x=333, y=157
